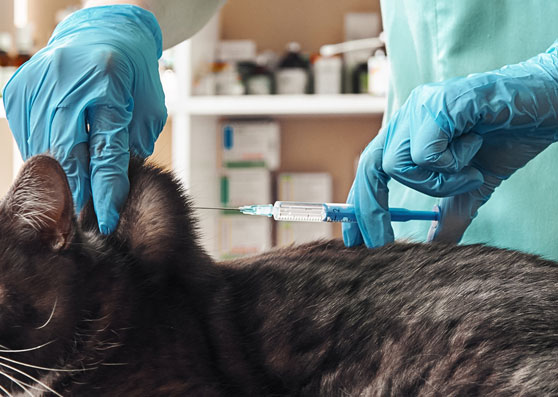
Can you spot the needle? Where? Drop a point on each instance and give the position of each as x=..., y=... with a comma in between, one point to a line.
x=217, y=208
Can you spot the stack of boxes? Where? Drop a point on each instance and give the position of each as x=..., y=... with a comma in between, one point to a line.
x=251, y=151
x=250, y=160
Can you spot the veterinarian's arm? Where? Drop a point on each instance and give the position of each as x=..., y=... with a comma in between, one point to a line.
x=457, y=139
x=93, y=96
x=179, y=19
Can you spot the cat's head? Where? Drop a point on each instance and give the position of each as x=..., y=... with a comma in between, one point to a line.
x=48, y=259
x=39, y=265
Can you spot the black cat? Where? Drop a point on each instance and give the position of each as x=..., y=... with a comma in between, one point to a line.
x=145, y=312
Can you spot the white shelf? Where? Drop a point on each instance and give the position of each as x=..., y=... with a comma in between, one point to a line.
x=281, y=105
x=275, y=105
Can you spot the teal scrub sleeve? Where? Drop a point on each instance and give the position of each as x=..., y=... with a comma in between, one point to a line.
x=91, y=98
x=458, y=139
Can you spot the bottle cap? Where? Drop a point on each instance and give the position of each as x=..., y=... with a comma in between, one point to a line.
x=293, y=46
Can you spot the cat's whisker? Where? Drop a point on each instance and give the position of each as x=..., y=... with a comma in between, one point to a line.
x=108, y=346
x=84, y=335
x=25, y=350
x=42, y=368
x=103, y=329
x=114, y=364
x=51, y=314
x=97, y=319
x=5, y=391
x=20, y=384
x=14, y=380
x=32, y=378
x=32, y=386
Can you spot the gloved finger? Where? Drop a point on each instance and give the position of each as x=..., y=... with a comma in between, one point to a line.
x=351, y=232
x=150, y=115
x=76, y=167
x=399, y=165
x=110, y=157
x=144, y=132
x=498, y=158
x=457, y=212
x=370, y=195
x=435, y=150
x=68, y=144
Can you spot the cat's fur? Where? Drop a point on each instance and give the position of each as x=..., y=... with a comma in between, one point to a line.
x=145, y=312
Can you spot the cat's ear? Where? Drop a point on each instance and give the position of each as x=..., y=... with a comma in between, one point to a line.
x=39, y=203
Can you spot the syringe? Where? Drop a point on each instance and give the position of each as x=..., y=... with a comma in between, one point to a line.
x=296, y=211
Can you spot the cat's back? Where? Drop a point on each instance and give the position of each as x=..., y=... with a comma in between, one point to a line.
x=417, y=319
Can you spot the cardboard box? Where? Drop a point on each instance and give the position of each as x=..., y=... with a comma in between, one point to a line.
x=242, y=235
x=251, y=143
x=245, y=186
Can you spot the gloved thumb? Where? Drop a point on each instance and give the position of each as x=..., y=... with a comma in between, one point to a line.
x=369, y=195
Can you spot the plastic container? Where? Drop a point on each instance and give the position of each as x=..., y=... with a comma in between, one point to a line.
x=378, y=74
x=328, y=75
x=227, y=79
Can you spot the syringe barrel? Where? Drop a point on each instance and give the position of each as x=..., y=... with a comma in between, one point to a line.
x=313, y=212
x=296, y=211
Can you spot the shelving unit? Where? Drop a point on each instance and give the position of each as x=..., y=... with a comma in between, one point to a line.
x=319, y=133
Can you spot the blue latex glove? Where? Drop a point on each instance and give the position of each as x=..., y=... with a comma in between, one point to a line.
x=460, y=138
x=90, y=97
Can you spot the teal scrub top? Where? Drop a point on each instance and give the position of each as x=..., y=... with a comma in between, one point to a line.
x=433, y=40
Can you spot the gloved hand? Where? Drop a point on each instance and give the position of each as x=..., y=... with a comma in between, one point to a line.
x=458, y=139
x=90, y=97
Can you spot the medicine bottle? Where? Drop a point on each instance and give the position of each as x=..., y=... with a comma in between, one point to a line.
x=292, y=74
x=5, y=46
x=260, y=80
x=6, y=61
x=378, y=73
x=327, y=75
x=24, y=46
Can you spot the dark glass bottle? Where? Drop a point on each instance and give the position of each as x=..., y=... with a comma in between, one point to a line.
x=292, y=74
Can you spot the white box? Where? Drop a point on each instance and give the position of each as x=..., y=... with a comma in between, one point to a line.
x=362, y=25
x=236, y=50
x=245, y=186
x=308, y=187
x=251, y=142
x=242, y=235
